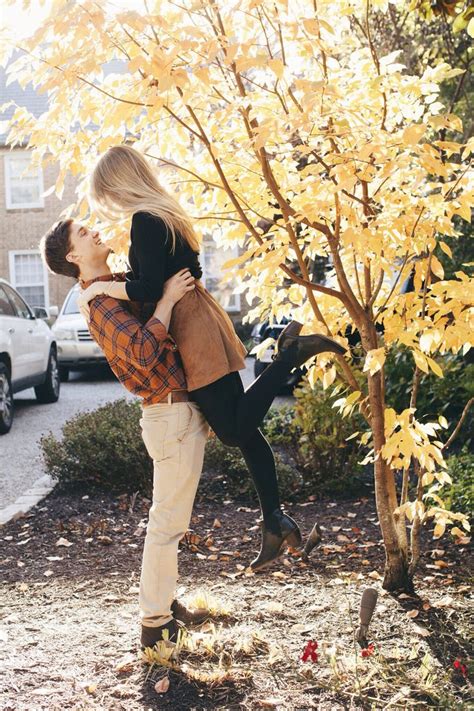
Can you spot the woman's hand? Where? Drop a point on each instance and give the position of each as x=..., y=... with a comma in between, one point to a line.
x=178, y=285
x=85, y=295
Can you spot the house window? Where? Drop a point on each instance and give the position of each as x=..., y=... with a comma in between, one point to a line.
x=23, y=183
x=212, y=258
x=29, y=277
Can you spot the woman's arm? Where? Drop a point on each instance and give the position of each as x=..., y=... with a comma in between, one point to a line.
x=150, y=248
x=149, y=244
x=172, y=289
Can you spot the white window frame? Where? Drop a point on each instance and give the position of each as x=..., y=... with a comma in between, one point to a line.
x=8, y=192
x=234, y=252
x=11, y=262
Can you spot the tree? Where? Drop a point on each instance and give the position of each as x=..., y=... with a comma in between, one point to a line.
x=232, y=97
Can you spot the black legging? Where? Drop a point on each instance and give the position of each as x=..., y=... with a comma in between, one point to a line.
x=235, y=415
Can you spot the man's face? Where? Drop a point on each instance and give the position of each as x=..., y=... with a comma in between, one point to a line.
x=86, y=246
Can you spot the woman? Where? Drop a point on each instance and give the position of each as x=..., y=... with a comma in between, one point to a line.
x=163, y=242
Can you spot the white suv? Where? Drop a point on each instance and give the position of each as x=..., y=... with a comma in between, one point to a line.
x=76, y=348
x=28, y=355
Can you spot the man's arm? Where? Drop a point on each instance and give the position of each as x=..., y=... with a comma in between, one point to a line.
x=120, y=334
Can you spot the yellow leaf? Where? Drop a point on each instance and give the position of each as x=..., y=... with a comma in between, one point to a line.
x=412, y=134
x=420, y=360
x=443, y=422
x=446, y=249
x=439, y=530
x=374, y=360
x=436, y=267
x=277, y=66
x=435, y=367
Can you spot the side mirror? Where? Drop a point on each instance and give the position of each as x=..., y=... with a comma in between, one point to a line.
x=40, y=312
x=53, y=311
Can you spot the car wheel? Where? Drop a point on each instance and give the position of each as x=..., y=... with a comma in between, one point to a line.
x=49, y=391
x=6, y=400
x=259, y=367
x=63, y=374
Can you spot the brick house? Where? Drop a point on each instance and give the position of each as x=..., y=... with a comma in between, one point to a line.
x=25, y=215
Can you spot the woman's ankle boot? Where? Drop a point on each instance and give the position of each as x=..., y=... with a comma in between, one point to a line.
x=296, y=350
x=278, y=530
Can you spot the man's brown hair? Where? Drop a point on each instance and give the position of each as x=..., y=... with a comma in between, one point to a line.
x=54, y=246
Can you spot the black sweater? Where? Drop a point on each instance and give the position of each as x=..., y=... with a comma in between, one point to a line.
x=151, y=260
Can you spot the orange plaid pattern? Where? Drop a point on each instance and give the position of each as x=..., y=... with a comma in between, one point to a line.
x=143, y=356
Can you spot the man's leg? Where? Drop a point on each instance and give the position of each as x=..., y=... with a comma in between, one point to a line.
x=175, y=436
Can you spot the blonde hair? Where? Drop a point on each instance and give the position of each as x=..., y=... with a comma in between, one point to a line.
x=123, y=183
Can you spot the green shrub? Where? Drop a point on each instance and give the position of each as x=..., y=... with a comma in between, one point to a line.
x=459, y=496
x=328, y=462
x=227, y=475
x=445, y=396
x=101, y=448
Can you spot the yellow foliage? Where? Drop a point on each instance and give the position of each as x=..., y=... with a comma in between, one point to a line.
x=274, y=111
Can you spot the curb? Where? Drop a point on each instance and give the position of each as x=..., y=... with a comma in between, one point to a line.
x=30, y=498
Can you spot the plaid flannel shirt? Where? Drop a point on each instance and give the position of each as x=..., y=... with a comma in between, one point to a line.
x=143, y=356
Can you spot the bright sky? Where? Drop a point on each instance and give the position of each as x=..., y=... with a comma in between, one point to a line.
x=24, y=22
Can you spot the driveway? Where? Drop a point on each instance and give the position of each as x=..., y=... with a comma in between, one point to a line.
x=20, y=453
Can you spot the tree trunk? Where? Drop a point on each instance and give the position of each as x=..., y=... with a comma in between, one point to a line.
x=396, y=575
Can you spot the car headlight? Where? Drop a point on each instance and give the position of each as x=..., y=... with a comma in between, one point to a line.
x=63, y=334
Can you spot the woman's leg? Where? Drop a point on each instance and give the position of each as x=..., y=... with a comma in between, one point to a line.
x=260, y=461
x=241, y=412
x=219, y=402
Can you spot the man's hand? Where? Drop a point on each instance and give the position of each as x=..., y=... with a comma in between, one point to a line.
x=178, y=285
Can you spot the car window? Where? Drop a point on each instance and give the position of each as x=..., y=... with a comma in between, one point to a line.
x=6, y=308
x=20, y=306
x=71, y=307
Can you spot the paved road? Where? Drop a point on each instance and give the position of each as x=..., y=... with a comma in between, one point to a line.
x=20, y=459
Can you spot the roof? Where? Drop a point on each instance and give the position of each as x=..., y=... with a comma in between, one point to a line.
x=29, y=97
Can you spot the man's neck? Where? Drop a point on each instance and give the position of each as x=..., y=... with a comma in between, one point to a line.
x=94, y=272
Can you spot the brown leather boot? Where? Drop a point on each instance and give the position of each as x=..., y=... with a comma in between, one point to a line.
x=188, y=617
x=151, y=635
x=278, y=531
x=296, y=350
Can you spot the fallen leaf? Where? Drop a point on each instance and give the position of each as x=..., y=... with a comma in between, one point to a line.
x=413, y=613
x=64, y=542
x=22, y=543
x=421, y=631
x=269, y=703
x=162, y=686
x=273, y=606
x=446, y=601
x=217, y=523
x=125, y=665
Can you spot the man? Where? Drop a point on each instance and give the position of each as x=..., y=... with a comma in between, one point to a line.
x=145, y=359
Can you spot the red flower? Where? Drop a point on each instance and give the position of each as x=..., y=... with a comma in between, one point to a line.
x=459, y=666
x=310, y=651
x=368, y=651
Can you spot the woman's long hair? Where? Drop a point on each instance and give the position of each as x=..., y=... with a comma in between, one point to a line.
x=123, y=183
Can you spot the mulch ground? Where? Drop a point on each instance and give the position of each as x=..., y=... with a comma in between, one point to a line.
x=70, y=631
